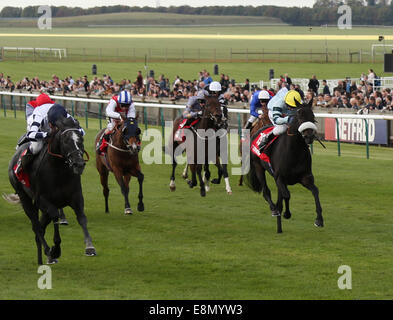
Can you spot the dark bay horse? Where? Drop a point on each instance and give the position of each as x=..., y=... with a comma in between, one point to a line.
x=122, y=159
x=55, y=182
x=291, y=163
x=210, y=119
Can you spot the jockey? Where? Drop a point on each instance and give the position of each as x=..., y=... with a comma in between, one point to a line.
x=194, y=109
x=44, y=118
x=42, y=99
x=259, y=99
x=119, y=107
x=215, y=91
x=281, y=108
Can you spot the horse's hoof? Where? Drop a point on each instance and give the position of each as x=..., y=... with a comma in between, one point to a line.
x=185, y=176
x=229, y=192
x=215, y=181
x=55, y=252
x=90, y=252
x=190, y=184
x=318, y=223
x=127, y=211
x=141, y=207
x=287, y=215
x=276, y=213
x=52, y=261
x=207, y=188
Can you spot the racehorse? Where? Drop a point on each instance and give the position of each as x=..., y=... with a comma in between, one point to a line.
x=210, y=119
x=54, y=181
x=122, y=159
x=290, y=164
x=262, y=122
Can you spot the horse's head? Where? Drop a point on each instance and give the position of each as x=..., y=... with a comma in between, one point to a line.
x=70, y=140
x=213, y=112
x=131, y=135
x=303, y=121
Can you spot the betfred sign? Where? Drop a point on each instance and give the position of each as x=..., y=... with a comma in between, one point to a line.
x=354, y=130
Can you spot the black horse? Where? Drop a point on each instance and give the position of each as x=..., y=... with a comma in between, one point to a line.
x=55, y=182
x=290, y=164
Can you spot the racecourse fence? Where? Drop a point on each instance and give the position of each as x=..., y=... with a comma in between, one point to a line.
x=159, y=113
x=337, y=55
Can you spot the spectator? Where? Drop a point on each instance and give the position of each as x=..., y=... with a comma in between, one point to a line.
x=326, y=89
x=313, y=84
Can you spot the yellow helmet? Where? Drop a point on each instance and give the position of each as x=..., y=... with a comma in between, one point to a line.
x=292, y=97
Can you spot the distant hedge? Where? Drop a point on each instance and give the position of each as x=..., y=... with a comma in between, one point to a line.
x=323, y=12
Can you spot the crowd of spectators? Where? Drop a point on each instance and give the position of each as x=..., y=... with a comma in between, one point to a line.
x=357, y=95
x=362, y=96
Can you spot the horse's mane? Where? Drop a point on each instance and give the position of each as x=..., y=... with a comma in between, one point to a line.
x=67, y=123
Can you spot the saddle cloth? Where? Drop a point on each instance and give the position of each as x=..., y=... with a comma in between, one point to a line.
x=262, y=154
x=20, y=174
x=183, y=126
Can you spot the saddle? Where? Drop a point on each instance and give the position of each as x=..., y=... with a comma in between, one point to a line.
x=185, y=124
x=20, y=173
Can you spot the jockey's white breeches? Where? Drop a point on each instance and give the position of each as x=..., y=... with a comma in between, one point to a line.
x=278, y=128
x=252, y=119
x=36, y=146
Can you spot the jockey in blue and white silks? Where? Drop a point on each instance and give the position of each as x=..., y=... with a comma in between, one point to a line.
x=119, y=105
x=259, y=99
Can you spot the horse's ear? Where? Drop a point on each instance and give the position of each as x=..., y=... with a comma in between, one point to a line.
x=138, y=131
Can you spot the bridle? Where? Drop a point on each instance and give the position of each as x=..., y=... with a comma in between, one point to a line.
x=67, y=157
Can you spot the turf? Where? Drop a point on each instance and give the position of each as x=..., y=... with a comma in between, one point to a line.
x=219, y=247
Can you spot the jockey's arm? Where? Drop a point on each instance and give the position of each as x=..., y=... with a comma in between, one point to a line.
x=254, y=105
x=110, y=110
x=278, y=117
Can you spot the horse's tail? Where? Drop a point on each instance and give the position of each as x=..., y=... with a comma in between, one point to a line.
x=252, y=180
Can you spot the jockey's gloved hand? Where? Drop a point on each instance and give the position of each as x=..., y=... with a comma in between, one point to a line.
x=199, y=113
x=44, y=134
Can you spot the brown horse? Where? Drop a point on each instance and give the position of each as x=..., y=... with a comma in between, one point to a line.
x=121, y=159
x=262, y=122
x=210, y=119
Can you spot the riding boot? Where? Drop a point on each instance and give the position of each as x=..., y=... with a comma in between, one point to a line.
x=247, y=127
x=104, y=139
x=265, y=140
x=27, y=159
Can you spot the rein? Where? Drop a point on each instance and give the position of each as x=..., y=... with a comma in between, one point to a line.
x=60, y=155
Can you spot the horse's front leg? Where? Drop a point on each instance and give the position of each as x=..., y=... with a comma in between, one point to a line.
x=125, y=189
x=55, y=251
x=308, y=182
x=141, y=206
x=78, y=206
x=226, y=178
x=286, y=195
x=206, y=176
x=201, y=183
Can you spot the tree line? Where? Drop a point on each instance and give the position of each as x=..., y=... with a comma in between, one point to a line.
x=364, y=12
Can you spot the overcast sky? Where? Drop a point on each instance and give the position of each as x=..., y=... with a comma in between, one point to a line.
x=152, y=3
